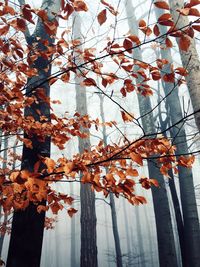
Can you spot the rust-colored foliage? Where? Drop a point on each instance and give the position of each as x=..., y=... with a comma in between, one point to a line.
x=123, y=160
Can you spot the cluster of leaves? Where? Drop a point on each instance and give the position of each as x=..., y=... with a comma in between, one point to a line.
x=20, y=187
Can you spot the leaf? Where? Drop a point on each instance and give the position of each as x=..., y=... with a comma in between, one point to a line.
x=184, y=43
x=142, y=23
x=134, y=38
x=166, y=20
x=154, y=182
x=80, y=6
x=126, y=116
x=192, y=3
x=102, y=16
x=21, y=24
x=128, y=45
x=194, y=12
x=27, y=14
x=88, y=82
x=50, y=163
x=4, y=30
x=162, y=5
x=168, y=43
x=68, y=167
x=156, y=30
x=169, y=77
x=65, y=77
x=41, y=208
x=132, y=172
x=71, y=212
x=196, y=27
x=136, y=158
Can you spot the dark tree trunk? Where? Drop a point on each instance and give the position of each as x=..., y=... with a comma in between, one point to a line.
x=27, y=226
x=191, y=233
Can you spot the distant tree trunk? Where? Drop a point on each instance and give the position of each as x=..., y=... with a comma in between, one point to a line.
x=88, y=213
x=112, y=201
x=140, y=236
x=115, y=232
x=27, y=227
x=165, y=237
x=191, y=247
x=190, y=59
x=73, y=234
x=128, y=241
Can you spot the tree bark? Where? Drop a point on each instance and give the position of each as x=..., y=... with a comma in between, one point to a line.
x=191, y=247
x=27, y=226
x=190, y=59
x=88, y=214
x=165, y=237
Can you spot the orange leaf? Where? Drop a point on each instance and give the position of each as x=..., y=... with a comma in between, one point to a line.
x=168, y=43
x=80, y=6
x=154, y=182
x=65, y=77
x=126, y=116
x=142, y=23
x=71, y=212
x=134, y=38
x=68, y=167
x=88, y=82
x=132, y=172
x=184, y=43
x=102, y=16
x=194, y=12
x=162, y=5
x=41, y=208
x=136, y=158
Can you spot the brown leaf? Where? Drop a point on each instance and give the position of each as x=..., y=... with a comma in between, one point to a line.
x=162, y=5
x=102, y=16
x=184, y=43
x=71, y=212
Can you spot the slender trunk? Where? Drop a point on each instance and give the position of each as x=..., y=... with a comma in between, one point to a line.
x=112, y=201
x=73, y=234
x=115, y=232
x=190, y=59
x=129, y=252
x=191, y=247
x=88, y=214
x=27, y=226
x=165, y=237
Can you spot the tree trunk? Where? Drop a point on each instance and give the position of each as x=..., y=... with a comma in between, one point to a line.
x=112, y=200
x=191, y=248
x=190, y=59
x=27, y=226
x=88, y=213
x=165, y=237
x=115, y=232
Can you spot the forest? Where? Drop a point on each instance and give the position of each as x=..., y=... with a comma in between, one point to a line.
x=99, y=133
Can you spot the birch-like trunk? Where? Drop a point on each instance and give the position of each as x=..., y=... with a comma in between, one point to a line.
x=165, y=237
x=190, y=59
x=190, y=255
x=27, y=226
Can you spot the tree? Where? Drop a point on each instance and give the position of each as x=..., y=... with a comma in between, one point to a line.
x=87, y=196
x=166, y=245
x=190, y=254
x=187, y=49
x=27, y=227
